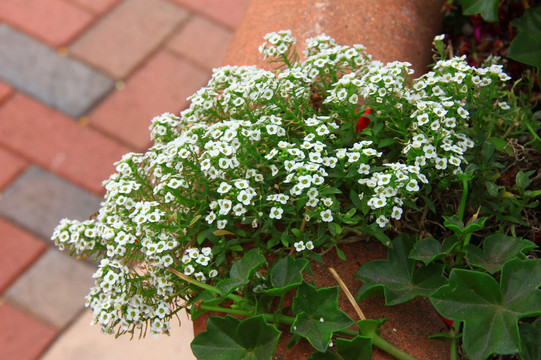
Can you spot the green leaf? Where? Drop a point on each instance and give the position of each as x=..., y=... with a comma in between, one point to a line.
x=317, y=315
x=376, y=232
x=529, y=21
x=522, y=180
x=526, y=48
x=327, y=355
x=427, y=250
x=497, y=249
x=490, y=312
x=530, y=333
x=492, y=188
x=334, y=229
x=358, y=348
x=398, y=275
x=454, y=224
x=487, y=8
x=229, y=338
x=285, y=275
x=240, y=271
x=475, y=225
x=340, y=253
x=370, y=327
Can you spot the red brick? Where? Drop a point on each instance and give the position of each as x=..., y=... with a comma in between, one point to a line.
x=12, y=166
x=57, y=143
x=5, y=91
x=128, y=35
x=161, y=85
x=54, y=21
x=96, y=6
x=21, y=336
x=202, y=41
x=228, y=13
x=18, y=249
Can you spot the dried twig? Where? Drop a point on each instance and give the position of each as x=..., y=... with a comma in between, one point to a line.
x=348, y=294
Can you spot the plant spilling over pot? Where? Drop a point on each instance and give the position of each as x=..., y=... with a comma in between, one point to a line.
x=267, y=170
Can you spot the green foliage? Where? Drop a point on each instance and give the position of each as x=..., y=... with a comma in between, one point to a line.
x=229, y=338
x=526, y=46
x=530, y=333
x=489, y=310
x=497, y=249
x=241, y=271
x=317, y=315
x=358, y=348
x=285, y=275
x=487, y=8
x=398, y=276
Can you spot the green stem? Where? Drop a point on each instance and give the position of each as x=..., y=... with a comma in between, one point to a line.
x=462, y=207
x=235, y=298
x=289, y=320
x=390, y=348
x=453, y=350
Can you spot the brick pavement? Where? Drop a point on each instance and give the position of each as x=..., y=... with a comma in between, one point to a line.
x=80, y=81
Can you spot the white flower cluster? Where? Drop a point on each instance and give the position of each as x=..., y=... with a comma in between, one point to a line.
x=197, y=263
x=277, y=43
x=273, y=150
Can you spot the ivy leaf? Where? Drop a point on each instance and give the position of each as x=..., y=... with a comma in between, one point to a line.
x=240, y=271
x=400, y=279
x=530, y=333
x=318, y=316
x=525, y=46
x=525, y=49
x=529, y=21
x=497, y=249
x=358, y=348
x=229, y=338
x=285, y=275
x=487, y=8
x=490, y=312
x=327, y=355
x=370, y=327
x=426, y=250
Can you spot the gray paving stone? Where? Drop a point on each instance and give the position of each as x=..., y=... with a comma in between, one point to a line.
x=61, y=82
x=53, y=289
x=37, y=200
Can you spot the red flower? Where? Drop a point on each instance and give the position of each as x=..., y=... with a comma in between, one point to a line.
x=363, y=121
x=447, y=321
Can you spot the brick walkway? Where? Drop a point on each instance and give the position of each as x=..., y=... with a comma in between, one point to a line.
x=79, y=82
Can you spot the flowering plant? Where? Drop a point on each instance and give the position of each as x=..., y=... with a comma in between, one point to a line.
x=267, y=169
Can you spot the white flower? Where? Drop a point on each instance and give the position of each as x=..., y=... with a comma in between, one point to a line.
x=202, y=260
x=412, y=186
x=221, y=224
x=309, y=245
x=276, y=213
x=304, y=181
x=210, y=217
x=326, y=215
x=224, y=188
x=441, y=163
x=382, y=221
x=213, y=273
x=299, y=246
x=188, y=270
x=397, y=213
x=244, y=197
x=200, y=276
